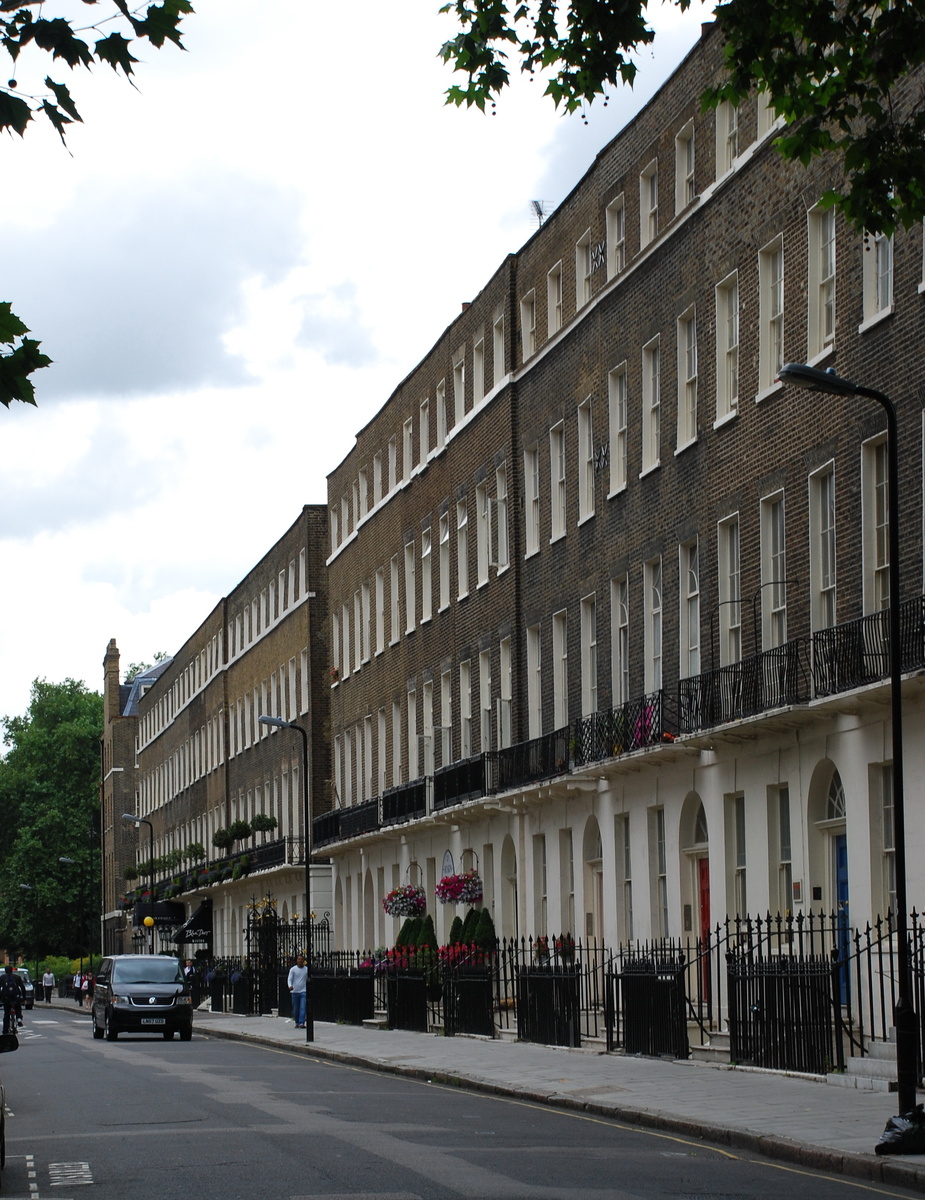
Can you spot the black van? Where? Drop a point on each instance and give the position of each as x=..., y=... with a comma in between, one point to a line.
x=141, y=993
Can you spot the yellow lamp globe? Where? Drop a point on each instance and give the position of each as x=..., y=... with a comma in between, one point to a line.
x=148, y=922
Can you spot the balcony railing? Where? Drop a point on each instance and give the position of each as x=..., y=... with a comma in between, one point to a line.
x=773, y=679
x=460, y=781
x=360, y=818
x=529, y=762
x=644, y=721
x=405, y=802
x=857, y=652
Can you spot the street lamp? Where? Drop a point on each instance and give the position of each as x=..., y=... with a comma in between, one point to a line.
x=279, y=723
x=904, y=1021
x=136, y=821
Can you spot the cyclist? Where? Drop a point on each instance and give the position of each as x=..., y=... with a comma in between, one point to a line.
x=12, y=994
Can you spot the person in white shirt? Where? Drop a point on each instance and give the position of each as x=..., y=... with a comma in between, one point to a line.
x=48, y=983
x=298, y=983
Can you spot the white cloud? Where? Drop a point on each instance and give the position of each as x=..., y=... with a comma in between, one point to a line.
x=234, y=267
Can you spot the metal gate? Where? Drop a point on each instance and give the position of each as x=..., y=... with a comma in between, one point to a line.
x=654, y=1005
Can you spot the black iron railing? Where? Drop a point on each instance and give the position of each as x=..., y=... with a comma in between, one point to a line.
x=326, y=828
x=460, y=782
x=643, y=721
x=359, y=818
x=404, y=802
x=528, y=762
x=772, y=679
x=857, y=652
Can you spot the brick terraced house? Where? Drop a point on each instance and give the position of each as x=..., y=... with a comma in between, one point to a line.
x=605, y=596
x=183, y=749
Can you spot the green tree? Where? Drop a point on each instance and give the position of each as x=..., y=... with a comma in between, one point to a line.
x=29, y=30
x=838, y=71
x=49, y=804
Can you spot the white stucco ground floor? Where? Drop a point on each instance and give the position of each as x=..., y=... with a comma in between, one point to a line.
x=791, y=811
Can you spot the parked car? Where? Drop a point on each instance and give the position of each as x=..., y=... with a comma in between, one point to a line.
x=23, y=974
x=141, y=993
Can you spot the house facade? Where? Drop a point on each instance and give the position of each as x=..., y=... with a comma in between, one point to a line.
x=199, y=764
x=606, y=598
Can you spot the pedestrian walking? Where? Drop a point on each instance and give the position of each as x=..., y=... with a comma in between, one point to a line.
x=298, y=984
x=48, y=983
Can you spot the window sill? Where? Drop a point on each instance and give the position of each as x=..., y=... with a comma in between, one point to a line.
x=876, y=319
x=532, y=553
x=726, y=418
x=462, y=596
x=502, y=570
x=823, y=354
x=921, y=288
x=649, y=469
x=585, y=519
x=687, y=445
x=557, y=537
x=443, y=608
x=768, y=392
x=616, y=492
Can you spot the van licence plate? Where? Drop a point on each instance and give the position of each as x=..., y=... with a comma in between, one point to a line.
x=153, y=1020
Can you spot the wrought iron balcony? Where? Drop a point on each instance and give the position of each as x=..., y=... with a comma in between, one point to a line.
x=773, y=679
x=405, y=802
x=460, y=782
x=857, y=652
x=529, y=762
x=644, y=721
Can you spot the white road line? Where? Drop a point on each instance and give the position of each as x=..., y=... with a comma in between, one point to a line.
x=69, y=1174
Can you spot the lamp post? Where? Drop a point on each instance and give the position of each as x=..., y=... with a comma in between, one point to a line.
x=72, y=862
x=279, y=723
x=136, y=821
x=904, y=1020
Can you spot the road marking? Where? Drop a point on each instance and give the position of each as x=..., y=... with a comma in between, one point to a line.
x=69, y=1174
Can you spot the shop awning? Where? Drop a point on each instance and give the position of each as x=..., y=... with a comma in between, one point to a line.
x=198, y=927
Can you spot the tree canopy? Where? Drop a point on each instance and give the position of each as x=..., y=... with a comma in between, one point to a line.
x=49, y=805
x=26, y=27
x=838, y=71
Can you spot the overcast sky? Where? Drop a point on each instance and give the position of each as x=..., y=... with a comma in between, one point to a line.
x=232, y=267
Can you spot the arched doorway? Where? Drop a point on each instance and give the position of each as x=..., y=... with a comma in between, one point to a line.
x=369, y=940
x=695, y=867
x=593, y=858
x=509, y=918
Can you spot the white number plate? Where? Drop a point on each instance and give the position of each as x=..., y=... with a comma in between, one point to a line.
x=153, y=1020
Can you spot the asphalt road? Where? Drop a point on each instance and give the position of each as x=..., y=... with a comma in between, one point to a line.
x=147, y=1119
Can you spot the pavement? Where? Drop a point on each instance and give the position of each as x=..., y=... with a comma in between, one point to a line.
x=793, y=1118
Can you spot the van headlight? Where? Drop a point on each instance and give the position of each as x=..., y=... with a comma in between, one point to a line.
x=184, y=1000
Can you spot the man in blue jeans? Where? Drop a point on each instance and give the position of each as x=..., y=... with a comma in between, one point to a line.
x=298, y=981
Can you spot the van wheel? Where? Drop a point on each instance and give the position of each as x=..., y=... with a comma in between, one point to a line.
x=186, y=1035
x=97, y=1031
x=168, y=1035
x=111, y=1032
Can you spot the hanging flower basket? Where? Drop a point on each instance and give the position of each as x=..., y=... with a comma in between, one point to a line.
x=460, y=889
x=405, y=901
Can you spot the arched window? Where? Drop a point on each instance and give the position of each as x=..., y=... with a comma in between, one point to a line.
x=835, y=801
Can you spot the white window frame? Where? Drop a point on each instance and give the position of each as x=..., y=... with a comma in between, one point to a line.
x=654, y=624
x=557, y=482
x=554, y=299
x=619, y=639
x=444, y=536
x=482, y=533
x=729, y=578
x=459, y=390
x=407, y=449
x=616, y=236
x=585, y=462
x=528, y=325
x=651, y=404
x=583, y=267
x=462, y=549
x=560, y=669
x=687, y=378
x=427, y=594
x=410, y=589
x=773, y=529
x=497, y=350
x=820, y=332
x=589, y=655
x=877, y=279
x=534, y=682
x=478, y=372
x=822, y=548
x=531, y=500
x=502, y=545
x=875, y=519
x=617, y=397
x=727, y=137
x=771, y=316
x=685, y=187
x=424, y=431
x=648, y=204
x=689, y=614
x=727, y=348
